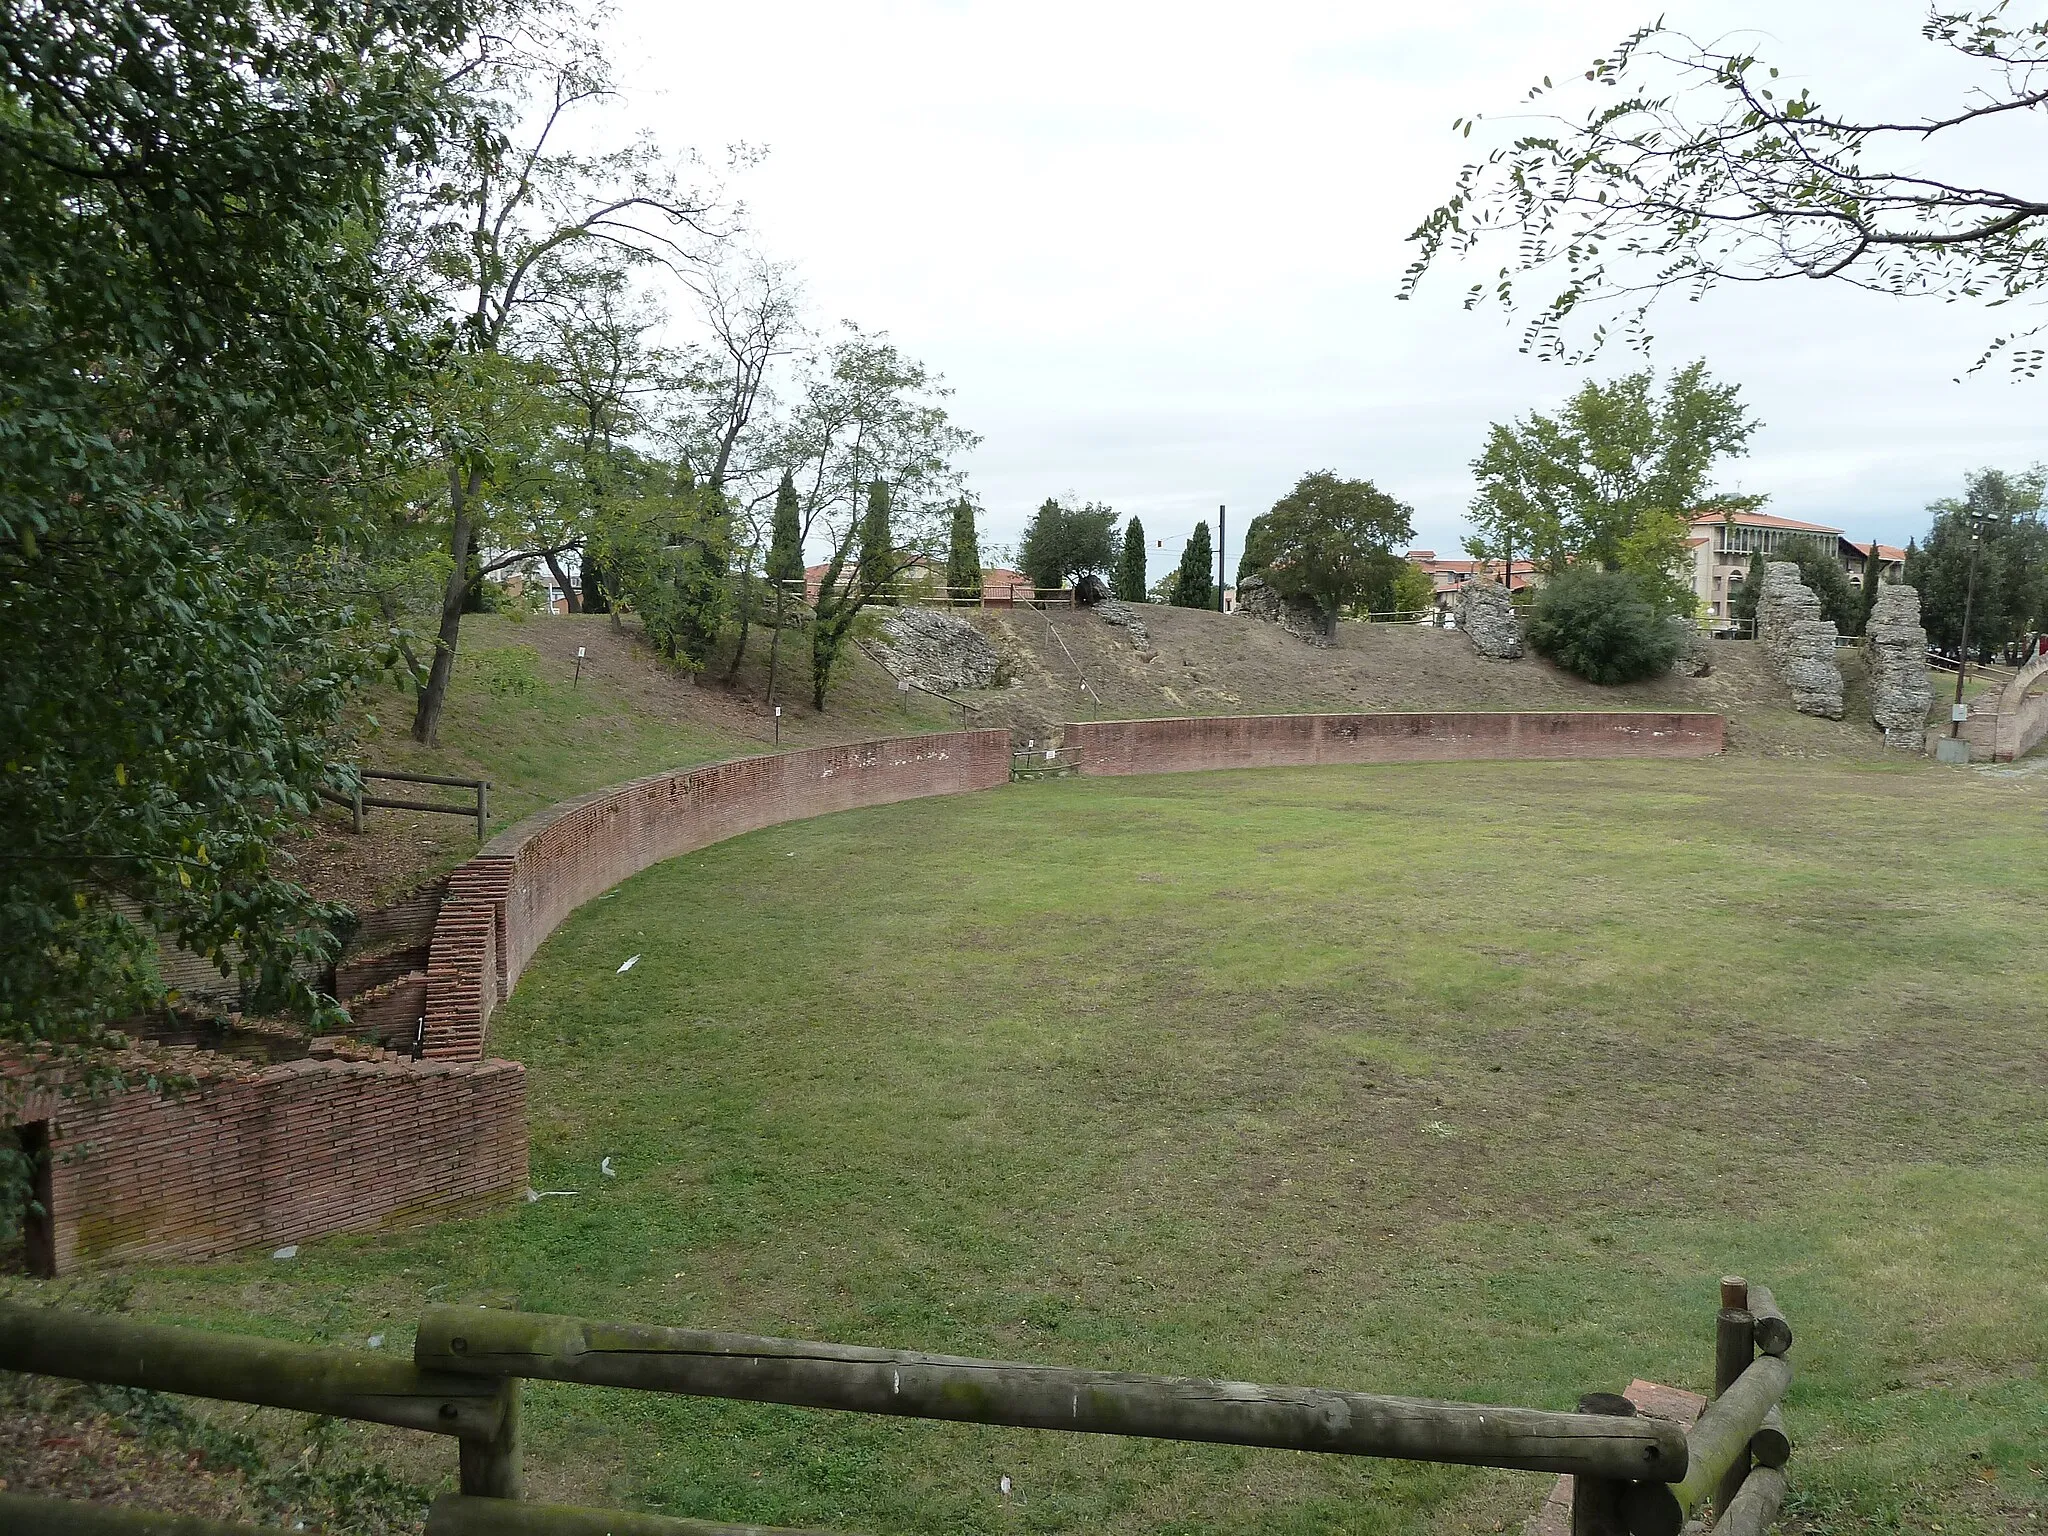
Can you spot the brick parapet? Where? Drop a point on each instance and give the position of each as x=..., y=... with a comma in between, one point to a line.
x=533, y=875
x=278, y=1155
x=1182, y=745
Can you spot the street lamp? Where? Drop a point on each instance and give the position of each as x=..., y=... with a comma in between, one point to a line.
x=1978, y=522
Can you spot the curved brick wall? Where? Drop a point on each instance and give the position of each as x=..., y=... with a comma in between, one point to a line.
x=1281, y=741
x=528, y=878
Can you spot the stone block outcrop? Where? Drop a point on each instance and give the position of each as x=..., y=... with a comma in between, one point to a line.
x=937, y=650
x=1900, y=690
x=1798, y=641
x=1487, y=616
x=1256, y=599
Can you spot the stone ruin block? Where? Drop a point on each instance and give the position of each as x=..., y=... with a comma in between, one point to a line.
x=1799, y=643
x=1487, y=616
x=1900, y=690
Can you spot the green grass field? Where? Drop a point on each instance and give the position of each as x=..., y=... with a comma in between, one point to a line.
x=1455, y=1080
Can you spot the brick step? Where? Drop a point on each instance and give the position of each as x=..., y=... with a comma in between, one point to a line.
x=361, y=974
x=391, y=1012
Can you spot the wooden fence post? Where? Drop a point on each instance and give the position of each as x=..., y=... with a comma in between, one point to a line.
x=493, y=1468
x=1597, y=1501
x=355, y=807
x=483, y=807
x=1734, y=1348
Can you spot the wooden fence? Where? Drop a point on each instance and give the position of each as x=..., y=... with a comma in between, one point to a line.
x=479, y=809
x=1633, y=1476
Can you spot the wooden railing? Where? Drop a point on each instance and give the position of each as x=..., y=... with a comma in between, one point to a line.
x=1633, y=1476
x=479, y=809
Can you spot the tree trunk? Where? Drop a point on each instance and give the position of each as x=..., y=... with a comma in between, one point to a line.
x=739, y=652
x=426, y=720
x=554, y=561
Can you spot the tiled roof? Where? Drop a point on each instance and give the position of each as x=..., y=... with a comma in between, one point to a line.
x=1761, y=520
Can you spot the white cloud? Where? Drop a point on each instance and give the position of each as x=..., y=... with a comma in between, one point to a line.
x=1154, y=247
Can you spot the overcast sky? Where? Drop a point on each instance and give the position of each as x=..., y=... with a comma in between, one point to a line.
x=1154, y=248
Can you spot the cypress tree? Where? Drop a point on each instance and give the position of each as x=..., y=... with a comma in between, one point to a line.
x=1743, y=604
x=875, y=559
x=1129, y=581
x=785, y=568
x=963, y=555
x=1873, y=570
x=1194, y=585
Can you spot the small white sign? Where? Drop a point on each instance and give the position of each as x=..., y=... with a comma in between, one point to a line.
x=579, y=653
x=1959, y=712
x=778, y=711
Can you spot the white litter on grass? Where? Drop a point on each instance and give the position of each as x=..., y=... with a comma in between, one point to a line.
x=604, y=1167
x=1006, y=1484
x=631, y=961
x=376, y=1341
x=289, y=1251
x=543, y=1194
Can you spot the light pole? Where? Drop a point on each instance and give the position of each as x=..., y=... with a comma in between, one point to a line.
x=1978, y=520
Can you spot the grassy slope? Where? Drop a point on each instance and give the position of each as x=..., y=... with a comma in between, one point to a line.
x=1460, y=1080
x=518, y=716
x=1210, y=663
x=515, y=716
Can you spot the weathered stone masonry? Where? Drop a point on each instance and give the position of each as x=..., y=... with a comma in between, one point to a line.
x=1798, y=641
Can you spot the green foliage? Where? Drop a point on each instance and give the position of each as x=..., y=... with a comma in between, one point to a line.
x=2011, y=596
x=1820, y=569
x=1413, y=591
x=1611, y=478
x=1128, y=582
x=1194, y=580
x=1742, y=605
x=1695, y=166
x=1253, y=558
x=1873, y=578
x=875, y=551
x=667, y=549
x=785, y=568
x=1603, y=626
x=203, y=375
x=1330, y=541
x=1062, y=542
x=963, y=553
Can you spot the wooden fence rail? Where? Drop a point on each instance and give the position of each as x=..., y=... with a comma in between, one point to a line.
x=1633, y=1476
x=355, y=801
x=904, y=1384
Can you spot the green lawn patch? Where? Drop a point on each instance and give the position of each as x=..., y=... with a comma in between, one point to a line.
x=1461, y=1080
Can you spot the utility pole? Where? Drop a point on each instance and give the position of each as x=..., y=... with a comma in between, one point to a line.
x=1957, y=715
x=1222, y=543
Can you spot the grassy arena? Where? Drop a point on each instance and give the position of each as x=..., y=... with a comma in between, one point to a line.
x=1456, y=1080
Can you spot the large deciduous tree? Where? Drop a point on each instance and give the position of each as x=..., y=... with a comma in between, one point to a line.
x=202, y=369
x=1330, y=541
x=514, y=223
x=2001, y=512
x=868, y=415
x=1701, y=168
x=1612, y=477
x=1062, y=542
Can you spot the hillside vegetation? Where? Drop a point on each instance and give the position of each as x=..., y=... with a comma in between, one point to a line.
x=1217, y=664
x=519, y=716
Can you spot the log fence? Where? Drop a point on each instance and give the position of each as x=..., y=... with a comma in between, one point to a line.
x=356, y=801
x=1632, y=1475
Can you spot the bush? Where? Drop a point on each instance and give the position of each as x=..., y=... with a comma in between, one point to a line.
x=1603, y=626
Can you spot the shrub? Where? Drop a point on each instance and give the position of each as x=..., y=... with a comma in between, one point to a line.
x=1603, y=626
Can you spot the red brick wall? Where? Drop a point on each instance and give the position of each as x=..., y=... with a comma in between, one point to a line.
x=533, y=875
x=1272, y=741
x=280, y=1155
